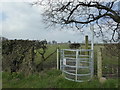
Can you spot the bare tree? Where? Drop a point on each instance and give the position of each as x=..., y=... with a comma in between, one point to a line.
x=105, y=15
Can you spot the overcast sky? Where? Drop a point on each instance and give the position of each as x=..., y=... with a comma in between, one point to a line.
x=19, y=20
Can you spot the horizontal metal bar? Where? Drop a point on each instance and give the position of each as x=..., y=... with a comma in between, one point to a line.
x=84, y=55
x=79, y=58
x=69, y=73
x=70, y=54
x=79, y=80
x=85, y=61
x=75, y=66
x=70, y=58
x=84, y=58
x=70, y=66
x=71, y=61
x=69, y=49
x=78, y=55
x=76, y=74
x=84, y=74
x=77, y=49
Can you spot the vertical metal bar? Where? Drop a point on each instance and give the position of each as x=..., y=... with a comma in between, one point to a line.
x=76, y=64
x=61, y=58
x=92, y=52
x=62, y=61
x=57, y=59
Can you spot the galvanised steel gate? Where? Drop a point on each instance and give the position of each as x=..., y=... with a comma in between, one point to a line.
x=77, y=64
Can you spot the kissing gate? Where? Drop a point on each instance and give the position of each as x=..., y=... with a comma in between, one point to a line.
x=76, y=64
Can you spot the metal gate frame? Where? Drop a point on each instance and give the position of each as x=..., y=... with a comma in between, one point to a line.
x=78, y=59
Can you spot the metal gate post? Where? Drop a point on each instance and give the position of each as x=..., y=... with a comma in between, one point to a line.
x=58, y=59
x=92, y=52
x=62, y=62
x=76, y=64
x=61, y=59
x=92, y=63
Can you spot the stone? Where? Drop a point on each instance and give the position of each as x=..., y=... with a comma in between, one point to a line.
x=102, y=80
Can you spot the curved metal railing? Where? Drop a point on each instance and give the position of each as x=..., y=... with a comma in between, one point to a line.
x=77, y=64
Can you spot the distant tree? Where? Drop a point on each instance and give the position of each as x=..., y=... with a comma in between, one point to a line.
x=49, y=42
x=54, y=42
x=69, y=42
x=74, y=45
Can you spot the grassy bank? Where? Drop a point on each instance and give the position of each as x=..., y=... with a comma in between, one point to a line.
x=51, y=79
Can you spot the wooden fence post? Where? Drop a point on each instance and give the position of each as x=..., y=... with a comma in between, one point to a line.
x=99, y=64
x=86, y=44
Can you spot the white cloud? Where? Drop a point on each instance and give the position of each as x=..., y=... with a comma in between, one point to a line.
x=21, y=18
x=25, y=22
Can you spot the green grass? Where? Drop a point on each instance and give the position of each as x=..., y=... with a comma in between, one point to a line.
x=51, y=79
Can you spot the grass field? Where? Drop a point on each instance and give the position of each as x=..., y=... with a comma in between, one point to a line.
x=52, y=78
